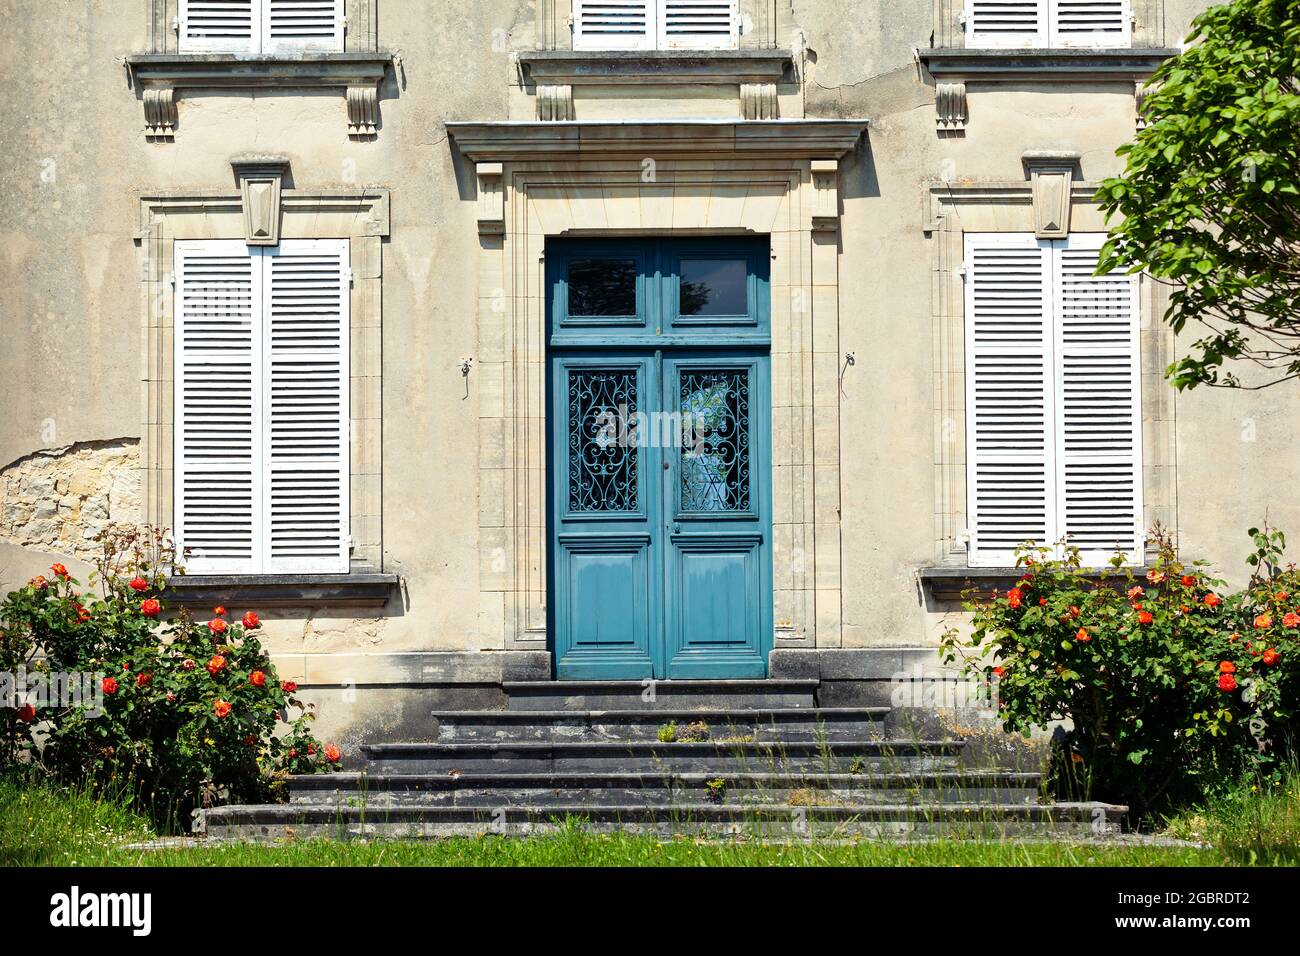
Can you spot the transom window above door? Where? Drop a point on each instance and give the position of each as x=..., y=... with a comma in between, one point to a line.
x=660, y=289
x=656, y=24
x=260, y=26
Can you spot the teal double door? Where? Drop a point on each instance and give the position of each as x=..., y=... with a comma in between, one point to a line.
x=659, y=456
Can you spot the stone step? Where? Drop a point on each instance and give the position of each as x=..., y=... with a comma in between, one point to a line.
x=986, y=821
x=788, y=723
x=714, y=757
x=554, y=695
x=628, y=789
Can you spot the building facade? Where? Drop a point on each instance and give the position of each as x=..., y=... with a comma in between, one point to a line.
x=397, y=314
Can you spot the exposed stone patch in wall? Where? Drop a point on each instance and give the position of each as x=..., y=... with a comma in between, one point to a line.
x=59, y=499
x=322, y=634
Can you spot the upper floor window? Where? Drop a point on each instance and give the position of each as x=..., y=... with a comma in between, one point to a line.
x=260, y=26
x=656, y=24
x=1045, y=24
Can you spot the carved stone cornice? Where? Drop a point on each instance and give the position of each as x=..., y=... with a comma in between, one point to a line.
x=1062, y=65
x=161, y=76
x=640, y=67
x=507, y=140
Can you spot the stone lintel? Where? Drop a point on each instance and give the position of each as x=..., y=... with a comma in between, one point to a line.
x=640, y=67
x=1066, y=66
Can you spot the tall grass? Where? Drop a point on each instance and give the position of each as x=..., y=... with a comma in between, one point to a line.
x=1256, y=823
x=44, y=825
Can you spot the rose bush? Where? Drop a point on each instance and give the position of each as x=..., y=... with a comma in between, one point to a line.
x=175, y=734
x=1169, y=686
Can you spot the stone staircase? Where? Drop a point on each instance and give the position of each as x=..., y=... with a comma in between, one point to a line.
x=774, y=765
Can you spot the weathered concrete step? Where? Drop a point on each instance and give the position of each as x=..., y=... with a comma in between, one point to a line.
x=660, y=694
x=632, y=756
x=786, y=723
x=627, y=789
x=996, y=821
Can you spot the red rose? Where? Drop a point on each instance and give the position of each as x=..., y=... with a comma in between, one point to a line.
x=139, y=584
x=1281, y=595
x=1263, y=620
x=142, y=679
x=1145, y=617
x=1291, y=619
x=1082, y=636
x=217, y=626
x=39, y=582
x=1042, y=602
x=1227, y=667
x=288, y=686
x=221, y=708
x=109, y=684
x=219, y=610
x=216, y=665
x=257, y=679
x=998, y=671
x=1227, y=682
x=1188, y=580
x=332, y=753
x=59, y=570
x=311, y=750
x=27, y=713
x=293, y=752
x=150, y=607
x=251, y=620
x=1212, y=600
x=83, y=615
x=1015, y=597
x=1271, y=657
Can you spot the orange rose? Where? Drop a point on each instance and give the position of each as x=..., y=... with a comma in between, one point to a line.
x=1082, y=636
x=1015, y=597
x=216, y=665
x=59, y=570
x=1291, y=619
x=251, y=620
x=1145, y=617
x=1271, y=657
x=1155, y=577
x=1227, y=667
x=219, y=610
x=221, y=708
x=39, y=582
x=257, y=679
x=150, y=607
x=217, y=626
x=1212, y=600
x=332, y=753
x=1227, y=683
x=1263, y=620
x=1135, y=591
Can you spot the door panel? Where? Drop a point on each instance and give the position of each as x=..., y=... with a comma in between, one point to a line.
x=659, y=458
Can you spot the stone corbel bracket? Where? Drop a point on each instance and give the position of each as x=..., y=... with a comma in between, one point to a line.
x=1051, y=173
x=491, y=199
x=260, y=180
x=950, y=106
x=758, y=101
x=160, y=78
x=826, y=195
x=555, y=101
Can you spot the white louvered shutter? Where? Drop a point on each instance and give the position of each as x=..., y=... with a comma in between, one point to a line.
x=291, y=25
x=1002, y=24
x=614, y=24
x=306, y=344
x=1091, y=23
x=699, y=24
x=218, y=409
x=1098, y=401
x=1008, y=395
x=219, y=26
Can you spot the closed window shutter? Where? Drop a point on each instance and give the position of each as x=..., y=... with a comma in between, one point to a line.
x=698, y=25
x=1091, y=23
x=1008, y=396
x=999, y=24
x=614, y=24
x=1099, y=431
x=306, y=344
x=290, y=25
x=224, y=26
x=218, y=408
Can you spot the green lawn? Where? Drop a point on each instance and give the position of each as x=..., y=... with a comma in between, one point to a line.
x=43, y=826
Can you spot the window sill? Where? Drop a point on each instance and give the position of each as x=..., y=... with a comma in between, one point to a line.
x=359, y=589
x=158, y=76
x=559, y=67
x=948, y=584
x=1069, y=65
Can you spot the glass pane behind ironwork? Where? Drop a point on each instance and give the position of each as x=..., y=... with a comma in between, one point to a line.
x=602, y=444
x=713, y=287
x=715, y=461
x=602, y=286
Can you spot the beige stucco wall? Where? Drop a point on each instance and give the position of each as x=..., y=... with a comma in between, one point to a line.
x=70, y=299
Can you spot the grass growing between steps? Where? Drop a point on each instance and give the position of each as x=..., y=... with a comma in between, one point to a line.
x=43, y=826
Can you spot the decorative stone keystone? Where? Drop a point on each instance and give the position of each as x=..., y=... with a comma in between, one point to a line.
x=758, y=101
x=950, y=106
x=555, y=102
x=260, y=178
x=1050, y=173
x=491, y=199
x=826, y=194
